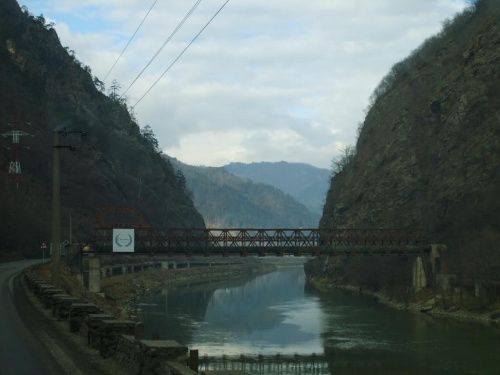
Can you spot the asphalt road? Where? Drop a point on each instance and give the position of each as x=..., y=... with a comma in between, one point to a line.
x=23, y=345
x=34, y=342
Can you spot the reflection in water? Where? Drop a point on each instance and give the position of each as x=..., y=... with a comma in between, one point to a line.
x=278, y=313
x=268, y=314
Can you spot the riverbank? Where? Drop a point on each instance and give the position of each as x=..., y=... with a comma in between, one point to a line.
x=425, y=302
x=118, y=293
x=124, y=290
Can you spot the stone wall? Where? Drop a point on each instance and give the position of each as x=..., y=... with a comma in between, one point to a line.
x=121, y=340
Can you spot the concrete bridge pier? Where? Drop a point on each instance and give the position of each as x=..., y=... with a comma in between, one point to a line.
x=95, y=274
x=418, y=274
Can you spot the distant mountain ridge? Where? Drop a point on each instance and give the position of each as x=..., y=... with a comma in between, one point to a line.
x=228, y=201
x=306, y=183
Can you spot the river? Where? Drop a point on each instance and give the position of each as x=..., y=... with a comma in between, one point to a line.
x=349, y=334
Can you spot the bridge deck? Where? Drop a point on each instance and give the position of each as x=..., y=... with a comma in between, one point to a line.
x=243, y=242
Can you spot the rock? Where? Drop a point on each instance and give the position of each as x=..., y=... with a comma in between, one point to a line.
x=151, y=356
x=428, y=306
x=78, y=312
x=110, y=332
x=495, y=315
x=94, y=325
x=62, y=305
x=46, y=297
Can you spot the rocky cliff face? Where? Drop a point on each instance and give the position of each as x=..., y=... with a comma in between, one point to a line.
x=44, y=84
x=428, y=155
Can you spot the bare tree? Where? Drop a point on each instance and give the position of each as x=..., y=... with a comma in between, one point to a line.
x=114, y=89
x=346, y=157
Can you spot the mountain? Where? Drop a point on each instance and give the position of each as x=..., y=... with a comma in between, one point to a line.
x=307, y=184
x=119, y=164
x=428, y=155
x=227, y=201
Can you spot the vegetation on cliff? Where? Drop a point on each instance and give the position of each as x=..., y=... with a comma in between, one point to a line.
x=428, y=155
x=44, y=84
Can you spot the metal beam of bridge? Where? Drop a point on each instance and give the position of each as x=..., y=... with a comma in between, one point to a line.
x=262, y=242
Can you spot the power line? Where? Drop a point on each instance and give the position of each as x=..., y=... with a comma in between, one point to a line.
x=144, y=19
x=164, y=44
x=179, y=56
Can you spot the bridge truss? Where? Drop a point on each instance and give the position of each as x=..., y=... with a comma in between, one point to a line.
x=262, y=242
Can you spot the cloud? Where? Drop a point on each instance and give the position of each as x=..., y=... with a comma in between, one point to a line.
x=267, y=80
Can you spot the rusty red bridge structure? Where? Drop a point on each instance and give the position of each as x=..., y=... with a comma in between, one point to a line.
x=262, y=242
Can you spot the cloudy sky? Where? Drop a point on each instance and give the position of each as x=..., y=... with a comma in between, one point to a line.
x=267, y=80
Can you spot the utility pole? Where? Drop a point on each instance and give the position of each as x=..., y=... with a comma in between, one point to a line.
x=56, y=201
x=56, y=211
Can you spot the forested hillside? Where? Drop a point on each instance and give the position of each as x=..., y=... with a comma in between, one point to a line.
x=428, y=155
x=43, y=83
x=307, y=184
x=227, y=201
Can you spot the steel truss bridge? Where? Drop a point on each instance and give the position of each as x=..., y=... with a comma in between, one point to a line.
x=262, y=242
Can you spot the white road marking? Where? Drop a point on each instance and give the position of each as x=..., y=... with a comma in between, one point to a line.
x=59, y=355
x=11, y=285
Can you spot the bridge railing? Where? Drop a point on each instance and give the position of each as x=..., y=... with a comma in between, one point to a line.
x=243, y=242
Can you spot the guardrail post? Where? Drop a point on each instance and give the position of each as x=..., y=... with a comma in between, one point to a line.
x=193, y=360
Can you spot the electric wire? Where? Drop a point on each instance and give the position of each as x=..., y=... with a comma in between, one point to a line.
x=130, y=40
x=179, y=56
x=164, y=44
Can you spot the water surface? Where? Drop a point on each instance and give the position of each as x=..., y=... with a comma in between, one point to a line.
x=278, y=313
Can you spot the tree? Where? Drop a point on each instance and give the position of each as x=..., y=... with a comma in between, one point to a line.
x=99, y=84
x=113, y=90
x=41, y=19
x=181, y=180
x=346, y=157
x=149, y=137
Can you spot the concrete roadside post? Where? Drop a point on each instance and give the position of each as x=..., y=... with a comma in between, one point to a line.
x=95, y=274
x=139, y=331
